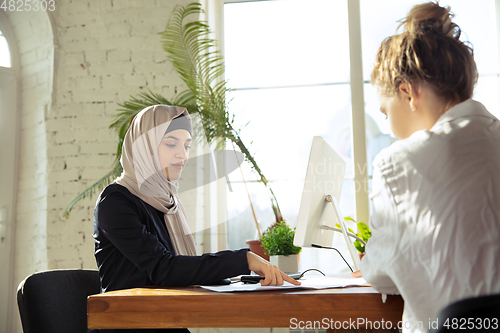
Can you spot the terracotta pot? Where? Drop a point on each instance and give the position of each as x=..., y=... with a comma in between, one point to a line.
x=256, y=247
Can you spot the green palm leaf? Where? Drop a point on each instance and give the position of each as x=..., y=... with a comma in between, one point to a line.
x=200, y=66
x=191, y=51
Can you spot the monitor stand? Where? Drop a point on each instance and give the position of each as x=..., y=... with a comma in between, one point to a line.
x=343, y=229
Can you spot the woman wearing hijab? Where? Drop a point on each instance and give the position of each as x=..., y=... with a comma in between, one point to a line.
x=436, y=191
x=140, y=226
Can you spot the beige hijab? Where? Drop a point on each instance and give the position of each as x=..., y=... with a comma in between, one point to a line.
x=143, y=177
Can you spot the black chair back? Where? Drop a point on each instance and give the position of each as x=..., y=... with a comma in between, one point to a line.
x=476, y=314
x=56, y=301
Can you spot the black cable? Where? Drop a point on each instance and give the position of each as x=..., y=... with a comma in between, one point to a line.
x=332, y=248
x=310, y=269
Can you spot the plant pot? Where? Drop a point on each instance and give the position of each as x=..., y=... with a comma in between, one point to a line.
x=287, y=264
x=256, y=247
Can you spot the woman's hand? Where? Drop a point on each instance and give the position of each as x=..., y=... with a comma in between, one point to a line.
x=273, y=276
x=356, y=274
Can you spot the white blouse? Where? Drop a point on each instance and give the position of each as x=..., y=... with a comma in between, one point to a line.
x=436, y=220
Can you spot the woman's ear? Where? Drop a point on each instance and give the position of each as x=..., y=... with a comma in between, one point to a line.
x=409, y=94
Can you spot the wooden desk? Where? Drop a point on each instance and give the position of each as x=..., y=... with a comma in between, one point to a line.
x=196, y=307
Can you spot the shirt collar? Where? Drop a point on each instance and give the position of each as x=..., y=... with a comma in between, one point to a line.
x=467, y=108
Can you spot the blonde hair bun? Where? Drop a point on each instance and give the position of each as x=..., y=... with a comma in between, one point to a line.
x=430, y=17
x=428, y=51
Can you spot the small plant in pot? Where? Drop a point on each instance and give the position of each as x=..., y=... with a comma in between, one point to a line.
x=364, y=233
x=278, y=243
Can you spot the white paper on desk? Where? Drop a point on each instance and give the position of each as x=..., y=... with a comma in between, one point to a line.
x=325, y=282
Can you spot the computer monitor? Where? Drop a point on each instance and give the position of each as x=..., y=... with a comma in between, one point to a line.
x=319, y=210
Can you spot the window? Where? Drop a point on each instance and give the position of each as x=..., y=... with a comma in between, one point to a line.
x=4, y=51
x=290, y=65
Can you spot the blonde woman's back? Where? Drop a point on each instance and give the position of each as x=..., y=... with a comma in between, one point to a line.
x=436, y=214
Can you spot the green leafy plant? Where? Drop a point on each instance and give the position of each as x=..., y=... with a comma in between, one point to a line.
x=278, y=240
x=364, y=233
x=195, y=58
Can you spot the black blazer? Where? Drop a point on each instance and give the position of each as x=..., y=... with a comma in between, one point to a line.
x=133, y=248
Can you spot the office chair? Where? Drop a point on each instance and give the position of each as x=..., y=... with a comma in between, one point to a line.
x=483, y=310
x=56, y=301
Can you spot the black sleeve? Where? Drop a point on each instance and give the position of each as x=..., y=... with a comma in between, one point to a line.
x=125, y=225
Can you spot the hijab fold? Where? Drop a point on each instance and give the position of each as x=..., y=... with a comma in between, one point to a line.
x=143, y=177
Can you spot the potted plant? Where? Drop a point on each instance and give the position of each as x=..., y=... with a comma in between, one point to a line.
x=195, y=58
x=364, y=233
x=278, y=244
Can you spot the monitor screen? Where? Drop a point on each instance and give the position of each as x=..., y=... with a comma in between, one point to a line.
x=325, y=176
x=319, y=211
